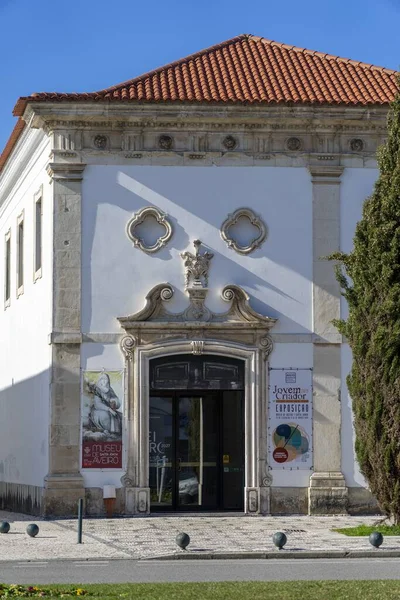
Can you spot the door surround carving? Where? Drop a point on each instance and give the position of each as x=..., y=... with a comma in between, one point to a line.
x=239, y=333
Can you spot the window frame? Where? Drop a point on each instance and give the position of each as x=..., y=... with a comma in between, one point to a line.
x=38, y=197
x=20, y=253
x=7, y=269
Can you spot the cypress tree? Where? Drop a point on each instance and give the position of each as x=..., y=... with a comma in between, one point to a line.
x=370, y=281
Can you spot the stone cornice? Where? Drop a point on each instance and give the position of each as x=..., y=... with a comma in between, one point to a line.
x=285, y=124
x=250, y=157
x=326, y=174
x=65, y=337
x=278, y=338
x=273, y=135
x=66, y=171
x=125, y=114
x=263, y=122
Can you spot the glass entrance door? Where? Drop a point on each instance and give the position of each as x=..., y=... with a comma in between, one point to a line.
x=161, y=451
x=197, y=451
x=232, y=450
x=196, y=446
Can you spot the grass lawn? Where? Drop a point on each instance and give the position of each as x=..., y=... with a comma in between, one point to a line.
x=367, y=529
x=306, y=590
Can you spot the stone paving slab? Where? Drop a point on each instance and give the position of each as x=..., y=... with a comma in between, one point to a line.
x=211, y=536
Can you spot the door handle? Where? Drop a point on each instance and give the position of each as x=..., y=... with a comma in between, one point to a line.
x=179, y=464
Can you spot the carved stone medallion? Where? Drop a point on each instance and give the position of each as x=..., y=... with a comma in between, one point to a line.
x=293, y=144
x=150, y=213
x=229, y=142
x=165, y=142
x=100, y=142
x=356, y=145
x=241, y=216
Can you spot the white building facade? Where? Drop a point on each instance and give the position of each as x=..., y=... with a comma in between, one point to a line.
x=167, y=324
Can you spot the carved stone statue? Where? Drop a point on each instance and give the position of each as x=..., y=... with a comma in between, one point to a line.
x=196, y=266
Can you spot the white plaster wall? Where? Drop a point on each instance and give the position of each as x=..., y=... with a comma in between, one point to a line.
x=25, y=327
x=95, y=357
x=357, y=185
x=299, y=356
x=117, y=276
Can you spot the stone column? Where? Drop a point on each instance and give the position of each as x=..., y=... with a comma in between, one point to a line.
x=327, y=491
x=136, y=479
x=64, y=482
x=254, y=380
x=265, y=345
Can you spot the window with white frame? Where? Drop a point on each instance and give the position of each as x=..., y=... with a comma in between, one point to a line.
x=20, y=254
x=38, y=249
x=7, y=269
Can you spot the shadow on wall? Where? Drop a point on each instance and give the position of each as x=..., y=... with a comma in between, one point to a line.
x=262, y=273
x=24, y=440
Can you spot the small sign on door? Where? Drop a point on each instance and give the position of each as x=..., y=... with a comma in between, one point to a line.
x=225, y=459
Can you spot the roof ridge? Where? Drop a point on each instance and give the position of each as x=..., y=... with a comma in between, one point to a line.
x=327, y=55
x=175, y=63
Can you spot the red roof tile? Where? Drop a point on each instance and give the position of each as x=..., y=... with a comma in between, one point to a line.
x=248, y=69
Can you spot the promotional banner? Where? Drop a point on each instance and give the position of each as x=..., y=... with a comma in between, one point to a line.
x=102, y=394
x=290, y=419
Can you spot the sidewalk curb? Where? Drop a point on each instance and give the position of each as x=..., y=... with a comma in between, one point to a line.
x=187, y=555
x=289, y=554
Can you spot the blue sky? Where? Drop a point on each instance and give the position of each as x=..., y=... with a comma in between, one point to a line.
x=86, y=45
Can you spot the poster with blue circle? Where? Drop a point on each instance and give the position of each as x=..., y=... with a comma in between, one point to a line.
x=290, y=419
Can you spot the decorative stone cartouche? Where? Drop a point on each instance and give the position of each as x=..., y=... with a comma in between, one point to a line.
x=196, y=266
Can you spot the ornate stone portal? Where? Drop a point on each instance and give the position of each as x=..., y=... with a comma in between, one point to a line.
x=240, y=332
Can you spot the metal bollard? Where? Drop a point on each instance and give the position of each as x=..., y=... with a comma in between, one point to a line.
x=80, y=516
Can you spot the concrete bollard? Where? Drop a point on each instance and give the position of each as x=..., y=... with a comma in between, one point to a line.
x=183, y=540
x=279, y=539
x=32, y=530
x=375, y=539
x=4, y=527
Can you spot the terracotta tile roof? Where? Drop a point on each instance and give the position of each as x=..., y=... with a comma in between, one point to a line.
x=246, y=69
x=249, y=69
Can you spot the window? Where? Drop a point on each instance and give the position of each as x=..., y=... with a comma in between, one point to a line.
x=20, y=254
x=38, y=235
x=194, y=372
x=7, y=269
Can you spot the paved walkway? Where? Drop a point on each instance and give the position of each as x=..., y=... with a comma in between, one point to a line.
x=152, y=537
